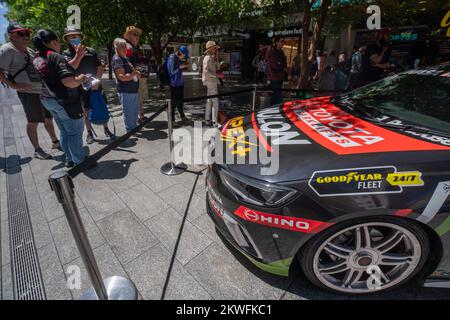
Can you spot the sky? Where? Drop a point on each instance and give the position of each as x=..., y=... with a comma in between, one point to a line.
x=3, y=22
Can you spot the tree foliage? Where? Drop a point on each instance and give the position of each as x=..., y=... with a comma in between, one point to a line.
x=104, y=20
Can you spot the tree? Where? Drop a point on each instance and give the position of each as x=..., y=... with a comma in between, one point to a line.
x=309, y=49
x=104, y=20
x=98, y=29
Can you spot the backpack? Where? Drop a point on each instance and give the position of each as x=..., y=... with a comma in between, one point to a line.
x=98, y=109
x=163, y=74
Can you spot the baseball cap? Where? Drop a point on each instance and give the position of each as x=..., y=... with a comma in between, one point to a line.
x=185, y=51
x=15, y=27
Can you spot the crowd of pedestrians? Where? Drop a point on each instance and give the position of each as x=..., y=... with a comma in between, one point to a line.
x=56, y=85
x=330, y=72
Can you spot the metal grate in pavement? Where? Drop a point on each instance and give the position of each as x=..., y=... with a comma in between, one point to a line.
x=26, y=274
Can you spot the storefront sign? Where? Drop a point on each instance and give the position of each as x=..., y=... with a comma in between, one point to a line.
x=285, y=32
x=404, y=36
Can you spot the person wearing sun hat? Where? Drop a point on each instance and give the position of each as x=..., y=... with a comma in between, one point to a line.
x=133, y=36
x=84, y=60
x=211, y=81
x=18, y=73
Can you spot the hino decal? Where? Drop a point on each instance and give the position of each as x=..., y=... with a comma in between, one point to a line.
x=281, y=222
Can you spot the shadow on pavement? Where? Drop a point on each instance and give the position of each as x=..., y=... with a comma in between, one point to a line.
x=12, y=164
x=111, y=170
x=177, y=243
x=152, y=135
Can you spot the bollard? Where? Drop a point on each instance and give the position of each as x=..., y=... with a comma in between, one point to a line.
x=171, y=169
x=114, y=288
x=254, y=97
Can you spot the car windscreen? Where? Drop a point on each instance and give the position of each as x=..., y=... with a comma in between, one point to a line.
x=420, y=97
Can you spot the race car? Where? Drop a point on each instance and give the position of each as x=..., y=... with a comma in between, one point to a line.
x=356, y=190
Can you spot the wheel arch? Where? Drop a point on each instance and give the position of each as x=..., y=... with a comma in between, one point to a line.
x=436, y=251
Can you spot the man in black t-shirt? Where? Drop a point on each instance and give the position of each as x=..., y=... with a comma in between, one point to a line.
x=85, y=61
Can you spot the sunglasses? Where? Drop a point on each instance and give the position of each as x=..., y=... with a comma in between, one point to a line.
x=23, y=34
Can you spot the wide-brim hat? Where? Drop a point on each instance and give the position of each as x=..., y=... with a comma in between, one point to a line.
x=211, y=45
x=132, y=29
x=72, y=32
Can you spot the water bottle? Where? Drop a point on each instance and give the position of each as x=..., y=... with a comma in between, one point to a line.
x=90, y=82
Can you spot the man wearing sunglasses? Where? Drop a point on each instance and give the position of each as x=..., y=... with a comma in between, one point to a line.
x=17, y=72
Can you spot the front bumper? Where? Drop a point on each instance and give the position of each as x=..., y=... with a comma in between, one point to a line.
x=267, y=248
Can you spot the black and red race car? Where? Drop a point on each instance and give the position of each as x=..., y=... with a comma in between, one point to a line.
x=360, y=194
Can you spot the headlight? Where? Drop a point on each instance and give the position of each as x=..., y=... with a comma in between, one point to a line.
x=257, y=192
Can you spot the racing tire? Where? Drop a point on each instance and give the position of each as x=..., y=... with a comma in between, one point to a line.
x=344, y=258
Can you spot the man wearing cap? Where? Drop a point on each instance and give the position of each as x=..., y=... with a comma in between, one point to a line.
x=84, y=60
x=133, y=36
x=17, y=72
x=211, y=81
x=176, y=64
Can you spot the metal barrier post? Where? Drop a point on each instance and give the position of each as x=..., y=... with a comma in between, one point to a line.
x=114, y=288
x=171, y=169
x=254, y=97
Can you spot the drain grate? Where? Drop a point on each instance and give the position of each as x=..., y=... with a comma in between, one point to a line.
x=26, y=273
x=25, y=265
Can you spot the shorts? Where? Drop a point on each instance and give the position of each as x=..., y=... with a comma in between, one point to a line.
x=143, y=90
x=34, y=110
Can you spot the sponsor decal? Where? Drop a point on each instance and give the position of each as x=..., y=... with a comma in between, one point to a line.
x=437, y=202
x=403, y=213
x=281, y=222
x=272, y=124
x=215, y=206
x=234, y=134
x=346, y=134
x=361, y=181
x=424, y=136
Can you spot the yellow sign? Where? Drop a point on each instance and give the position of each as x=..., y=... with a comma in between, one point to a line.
x=406, y=179
x=236, y=136
x=445, y=23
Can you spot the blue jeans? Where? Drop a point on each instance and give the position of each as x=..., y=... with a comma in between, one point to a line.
x=130, y=104
x=277, y=95
x=71, y=131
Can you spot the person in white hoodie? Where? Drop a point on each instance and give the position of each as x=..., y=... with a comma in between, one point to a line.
x=211, y=81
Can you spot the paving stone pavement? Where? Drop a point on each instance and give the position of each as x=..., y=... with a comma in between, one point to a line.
x=140, y=226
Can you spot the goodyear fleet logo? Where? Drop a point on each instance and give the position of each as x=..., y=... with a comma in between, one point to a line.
x=378, y=180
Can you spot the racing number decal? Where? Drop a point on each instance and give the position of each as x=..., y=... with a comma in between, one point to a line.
x=234, y=133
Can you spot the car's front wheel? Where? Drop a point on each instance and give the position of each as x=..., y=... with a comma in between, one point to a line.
x=366, y=255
